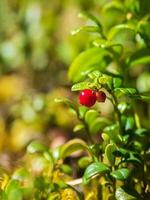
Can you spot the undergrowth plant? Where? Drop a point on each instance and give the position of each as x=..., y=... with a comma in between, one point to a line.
x=114, y=158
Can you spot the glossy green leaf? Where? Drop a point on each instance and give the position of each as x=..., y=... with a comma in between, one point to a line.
x=89, y=60
x=36, y=146
x=82, y=86
x=109, y=150
x=120, y=174
x=72, y=146
x=93, y=170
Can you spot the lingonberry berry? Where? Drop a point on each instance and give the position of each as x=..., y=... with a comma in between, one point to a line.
x=100, y=96
x=87, y=97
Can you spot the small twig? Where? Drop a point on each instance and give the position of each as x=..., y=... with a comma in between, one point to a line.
x=75, y=182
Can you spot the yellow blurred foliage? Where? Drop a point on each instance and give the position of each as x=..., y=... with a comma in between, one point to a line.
x=2, y=134
x=10, y=87
x=21, y=134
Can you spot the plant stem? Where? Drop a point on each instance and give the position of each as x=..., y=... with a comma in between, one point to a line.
x=117, y=112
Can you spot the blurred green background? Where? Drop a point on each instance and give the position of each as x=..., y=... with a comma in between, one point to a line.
x=36, y=49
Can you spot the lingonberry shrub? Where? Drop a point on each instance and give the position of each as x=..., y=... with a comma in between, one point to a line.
x=114, y=158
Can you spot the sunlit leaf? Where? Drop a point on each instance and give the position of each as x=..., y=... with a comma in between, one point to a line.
x=82, y=86
x=36, y=146
x=89, y=60
x=121, y=194
x=79, y=127
x=72, y=146
x=118, y=28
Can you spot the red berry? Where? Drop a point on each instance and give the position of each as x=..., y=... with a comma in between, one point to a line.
x=87, y=97
x=100, y=96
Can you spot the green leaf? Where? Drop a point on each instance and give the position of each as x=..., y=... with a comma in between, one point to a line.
x=123, y=106
x=72, y=146
x=82, y=86
x=3, y=195
x=91, y=17
x=89, y=29
x=113, y=6
x=98, y=124
x=118, y=28
x=67, y=102
x=93, y=170
x=120, y=174
x=36, y=146
x=20, y=174
x=84, y=161
x=90, y=116
x=117, y=82
x=141, y=97
x=141, y=132
x=121, y=194
x=113, y=133
x=82, y=111
x=109, y=150
x=114, y=47
x=133, y=159
x=140, y=57
x=94, y=74
x=129, y=123
x=13, y=190
x=144, y=30
x=89, y=60
x=66, y=169
x=79, y=127
x=56, y=153
x=125, y=91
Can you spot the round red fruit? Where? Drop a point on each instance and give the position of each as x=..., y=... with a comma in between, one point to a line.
x=87, y=97
x=100, y=96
